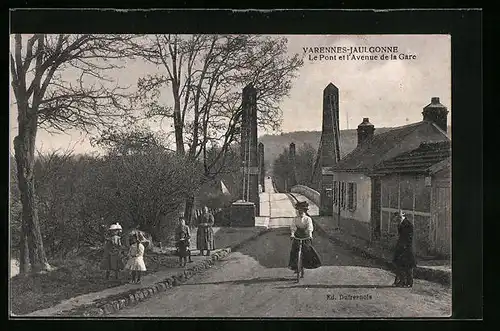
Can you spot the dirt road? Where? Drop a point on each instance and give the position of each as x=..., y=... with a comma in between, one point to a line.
x=255, y=282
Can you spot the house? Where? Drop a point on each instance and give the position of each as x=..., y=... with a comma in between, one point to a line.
x=356, y=192
x=419, y=183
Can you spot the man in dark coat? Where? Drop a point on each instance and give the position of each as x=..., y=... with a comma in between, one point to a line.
x=404, y=259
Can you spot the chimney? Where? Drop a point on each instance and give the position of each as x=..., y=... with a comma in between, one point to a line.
x=365, y=131
x=437, y=113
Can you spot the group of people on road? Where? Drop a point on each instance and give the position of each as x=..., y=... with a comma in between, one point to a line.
x=204, y=236
x=114, y=250
x=302, y=228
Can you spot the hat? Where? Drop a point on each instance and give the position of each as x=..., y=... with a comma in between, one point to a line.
x=115, y=226
x=302, y=205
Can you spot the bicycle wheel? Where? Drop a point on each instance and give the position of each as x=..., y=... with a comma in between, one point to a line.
x=299, y=262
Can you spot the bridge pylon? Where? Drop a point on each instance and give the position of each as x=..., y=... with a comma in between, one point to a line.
x=244, y=211
x=330, y=147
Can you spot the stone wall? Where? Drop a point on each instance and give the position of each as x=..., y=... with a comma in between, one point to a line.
x=308, y=192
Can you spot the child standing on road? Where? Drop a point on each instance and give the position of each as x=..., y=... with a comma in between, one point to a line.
x=135, y=261
x=182, y=236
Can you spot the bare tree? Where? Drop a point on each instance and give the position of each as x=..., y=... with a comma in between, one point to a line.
x=206, y=74
x=47, y=97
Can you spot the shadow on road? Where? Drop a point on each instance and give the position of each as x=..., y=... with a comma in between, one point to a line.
x=272, y=250
x=284, y=279
x=245, y=281
x=335, y=286
x=226, y=236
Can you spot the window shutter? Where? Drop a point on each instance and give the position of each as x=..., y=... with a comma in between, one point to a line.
x=343, y=195
x=335, y=192
x=351, y=196
x=349, y=203
x=355, y=196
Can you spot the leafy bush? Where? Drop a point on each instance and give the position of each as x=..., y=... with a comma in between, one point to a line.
x=80, y=196
x=304, y=162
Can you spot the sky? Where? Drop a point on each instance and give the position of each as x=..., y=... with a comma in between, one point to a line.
x=389, y=92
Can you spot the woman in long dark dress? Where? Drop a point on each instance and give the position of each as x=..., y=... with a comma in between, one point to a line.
x=404, y=259
x=112, y=252
x=302, y=227
x=205, y=233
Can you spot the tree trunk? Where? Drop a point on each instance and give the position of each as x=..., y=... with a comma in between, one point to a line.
x=188, y=210
x=178, y=125
x=24, y=262
x=24, y=147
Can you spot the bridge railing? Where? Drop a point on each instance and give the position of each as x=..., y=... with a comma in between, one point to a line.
x=308, y=192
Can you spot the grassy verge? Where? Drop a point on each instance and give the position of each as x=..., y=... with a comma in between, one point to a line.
x=78, y=276
x=71, y=278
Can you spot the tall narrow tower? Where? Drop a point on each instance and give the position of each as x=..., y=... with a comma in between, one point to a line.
x=330, y=146
x=244, y=211
x=249, y=149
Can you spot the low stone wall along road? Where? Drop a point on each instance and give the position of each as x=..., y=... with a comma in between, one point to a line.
x=255, y=282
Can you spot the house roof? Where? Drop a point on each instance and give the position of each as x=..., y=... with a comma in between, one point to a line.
x=428, y=157
x=446, y=163
x=386, y=145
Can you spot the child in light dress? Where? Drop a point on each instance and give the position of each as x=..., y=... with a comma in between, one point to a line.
x=135, y=261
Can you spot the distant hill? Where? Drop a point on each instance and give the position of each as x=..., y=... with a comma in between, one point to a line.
x=274, y=144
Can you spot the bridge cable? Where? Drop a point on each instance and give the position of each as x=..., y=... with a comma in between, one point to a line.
x=249, y=160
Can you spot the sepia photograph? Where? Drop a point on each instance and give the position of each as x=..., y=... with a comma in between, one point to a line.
x=230, y=175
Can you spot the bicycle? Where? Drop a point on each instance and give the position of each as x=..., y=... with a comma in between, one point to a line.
x=300, y=269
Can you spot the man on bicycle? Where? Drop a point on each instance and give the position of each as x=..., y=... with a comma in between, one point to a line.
x=302, y=228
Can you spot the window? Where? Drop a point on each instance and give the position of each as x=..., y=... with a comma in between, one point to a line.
x=406, y=193
x=351, y=196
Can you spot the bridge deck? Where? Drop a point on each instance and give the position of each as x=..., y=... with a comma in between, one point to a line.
x=277, y=209
x=313, y=208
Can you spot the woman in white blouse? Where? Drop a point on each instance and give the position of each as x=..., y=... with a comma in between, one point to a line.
x=302, y=227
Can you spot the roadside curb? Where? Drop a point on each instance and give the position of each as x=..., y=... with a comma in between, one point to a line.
x=114, y=303
x=430, y=274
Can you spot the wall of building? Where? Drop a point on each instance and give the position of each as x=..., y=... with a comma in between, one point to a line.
x=363, y=194
x=441, y=213
x=354, y=221
x=412, y=194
